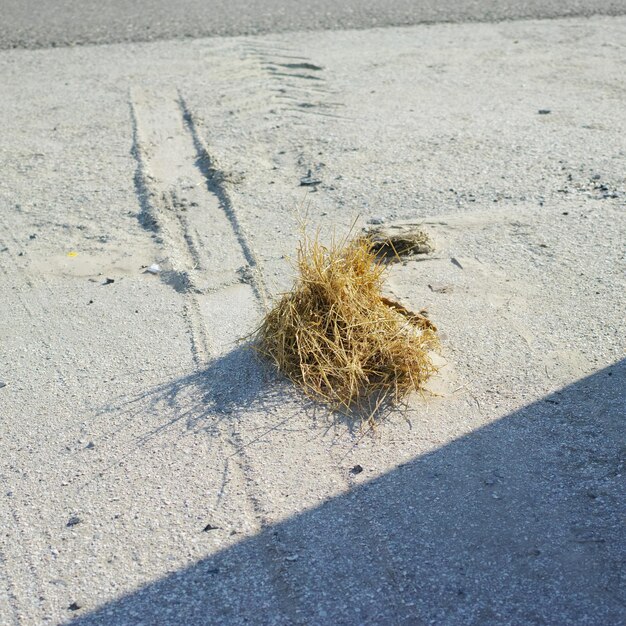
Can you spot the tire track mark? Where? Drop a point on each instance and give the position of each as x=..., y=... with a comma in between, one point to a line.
x=159, y=193
x=298, y=83
x=215, y=184
x=174, y=162
x=274, y=562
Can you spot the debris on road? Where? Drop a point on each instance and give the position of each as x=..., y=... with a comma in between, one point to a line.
x=436, y=288
x=153, y=269
x=109, y=281
x=209, y=527
x=310, y=180
x=400, y=239
x=339, y=339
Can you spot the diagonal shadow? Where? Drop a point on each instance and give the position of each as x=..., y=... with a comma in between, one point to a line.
x=520, y=522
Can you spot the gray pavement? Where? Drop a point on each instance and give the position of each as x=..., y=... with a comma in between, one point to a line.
x=34, y=24
x=153, y=471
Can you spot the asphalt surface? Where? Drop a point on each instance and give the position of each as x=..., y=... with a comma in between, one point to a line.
x=33, y=24
x=155, y=472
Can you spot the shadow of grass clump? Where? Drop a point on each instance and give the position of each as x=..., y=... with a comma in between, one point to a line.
x=339, y=339
x=227, y=385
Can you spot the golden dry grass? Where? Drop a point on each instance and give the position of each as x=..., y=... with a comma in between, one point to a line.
x=338, y=338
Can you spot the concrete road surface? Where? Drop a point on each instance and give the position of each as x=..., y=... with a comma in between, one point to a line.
x=152, y=471
x=32, y=23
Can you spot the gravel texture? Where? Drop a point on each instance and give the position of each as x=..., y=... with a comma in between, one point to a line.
x=153, y=472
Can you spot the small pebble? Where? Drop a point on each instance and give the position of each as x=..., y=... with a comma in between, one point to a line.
x=73, y=521
x=544, y=111
x=440, y=288
x=209, y=527
x=309, y=180
x=376, y=219
x=357, y=469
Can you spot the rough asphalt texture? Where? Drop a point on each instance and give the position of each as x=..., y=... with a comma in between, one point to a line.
x=34, y=24
x=153, y=472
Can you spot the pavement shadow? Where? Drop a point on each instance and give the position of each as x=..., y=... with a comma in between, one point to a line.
x=235, y=382
x=229, y=384
x=520, y=522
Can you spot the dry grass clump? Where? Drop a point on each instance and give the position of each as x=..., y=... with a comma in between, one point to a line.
x=336, y=336
x=398, y=240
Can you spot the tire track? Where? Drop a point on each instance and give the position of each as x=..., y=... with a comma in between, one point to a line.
x=160, y=186
x=298, y=84
x=214, y=180
x=184, y=199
